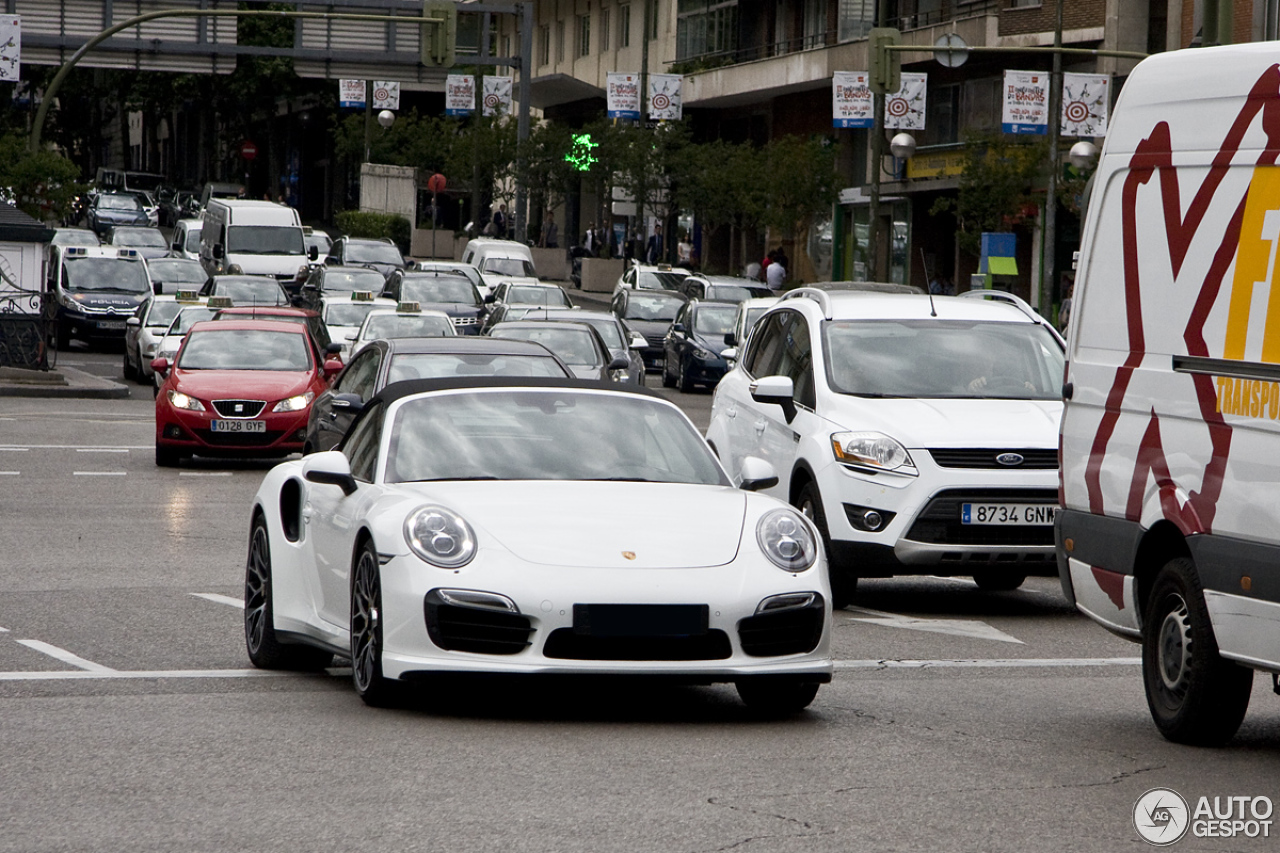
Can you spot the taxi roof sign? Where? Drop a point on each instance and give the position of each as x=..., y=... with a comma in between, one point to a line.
x=409, y=308
x=362, y=296
x=219, y=302
x=188, y=296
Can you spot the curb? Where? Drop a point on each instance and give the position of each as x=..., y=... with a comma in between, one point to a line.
x=76, y=384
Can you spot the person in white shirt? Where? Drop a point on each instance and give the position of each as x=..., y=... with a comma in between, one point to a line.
x=775, y=275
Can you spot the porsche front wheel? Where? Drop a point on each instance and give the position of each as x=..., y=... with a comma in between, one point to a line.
x=366, y=631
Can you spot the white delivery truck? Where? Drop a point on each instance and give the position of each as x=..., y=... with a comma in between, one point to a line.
x=253, y=238
x=1169, y=532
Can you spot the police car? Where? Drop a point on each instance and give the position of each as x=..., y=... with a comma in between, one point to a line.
x=96, y=289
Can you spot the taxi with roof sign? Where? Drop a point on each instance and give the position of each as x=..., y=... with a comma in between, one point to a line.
x=96, y=289
x=171, y=341
x=145, y=329
x=406, y=320
x=343, y=315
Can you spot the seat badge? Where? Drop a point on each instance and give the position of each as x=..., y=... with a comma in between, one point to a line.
x=630, y=555
x=239, y=408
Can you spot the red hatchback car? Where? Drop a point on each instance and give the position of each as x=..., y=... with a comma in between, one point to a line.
x=239, y=388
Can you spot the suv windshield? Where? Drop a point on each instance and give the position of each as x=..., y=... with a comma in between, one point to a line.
x=120, y=274
x=265, y=240
x=655, y=308
x=374, y=253
x=447, y=289
x=714, y=319
x=537, y=296
x=509, y=266
x=931, y=358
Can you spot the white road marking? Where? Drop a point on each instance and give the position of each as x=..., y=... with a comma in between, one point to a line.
x=162, y=673
x=4, y=630
x=978, y=663
x=220, y=599
x=957, y=627
x=102, y=450
x=20, y=448
x=13, y=450
x=10, y=473
x=204, y=473
x=66, y=657
x=99, y=473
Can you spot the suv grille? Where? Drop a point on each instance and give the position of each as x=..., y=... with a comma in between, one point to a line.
x=239, y=408
x=1038, y=458
x=939, y=522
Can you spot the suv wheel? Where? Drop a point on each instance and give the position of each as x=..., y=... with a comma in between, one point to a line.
x=843, y=583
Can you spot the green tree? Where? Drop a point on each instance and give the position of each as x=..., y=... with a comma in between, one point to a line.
x=801, y=180
x=42, y=184
x=995, y=186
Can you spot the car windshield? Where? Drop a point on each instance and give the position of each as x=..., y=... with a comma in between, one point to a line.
x=244, y=349
x=714, y=319
x=607, y=328
x=162, y=313
x=348, y=313
x=546, y=434
x=919, y=358
x=387, y=326
x=508, y=266
x=118, y=202
x=537, y=296
x=188, y=317
x=439, y=289
x=735, y=293
x=264, y=292
x=177, y=271
x=150, y=238
x=441, y=365
x=193, y=240
x=119, y=274
x=321, y=242
x=753, y=314
x=75, y=237
x=374, y=253
x=652, y=308
x=265, y=240
x=574, y=346
x=658, y=280
x=345, y=282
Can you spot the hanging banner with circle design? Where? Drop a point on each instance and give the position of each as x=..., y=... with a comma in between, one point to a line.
x=497, y=96
x=1085, y=99
x=386, y=95
x=665, y=100
x=904, y=109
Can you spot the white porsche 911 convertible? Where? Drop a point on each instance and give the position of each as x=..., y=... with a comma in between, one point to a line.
x=534, y=526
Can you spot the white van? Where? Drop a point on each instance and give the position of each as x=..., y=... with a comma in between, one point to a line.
x=1170, y=449
x=258, y=237
x=500, y=261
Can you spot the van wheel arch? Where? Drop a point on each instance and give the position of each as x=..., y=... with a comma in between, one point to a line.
x=1162, y=543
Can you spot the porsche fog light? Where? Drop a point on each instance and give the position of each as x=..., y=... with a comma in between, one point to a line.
x=183, y=401
x=440, y=536
x=786, y=540
x=296, y=403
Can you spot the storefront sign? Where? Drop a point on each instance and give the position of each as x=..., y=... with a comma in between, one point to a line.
x=1085, y=99
x=851, y=99
x=904, y=109
x=623, y=95
x=1026, y=102
x=945, y=164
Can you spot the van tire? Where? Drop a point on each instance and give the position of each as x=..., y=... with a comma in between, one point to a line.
x=1195, y=696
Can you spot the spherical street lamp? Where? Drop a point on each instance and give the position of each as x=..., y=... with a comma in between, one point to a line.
x=386, y=118
x=1082, y=154
x=903, y=145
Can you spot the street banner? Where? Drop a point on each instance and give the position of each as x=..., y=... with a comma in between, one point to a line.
x=904, y=109
x=351, y=94
x=851, y=99
x=1026, y=102
x=623, y=95
x=10, y=47
x=1085, y=98
x=459, y=95
x=497, y=96
x=386, y=95
x=665, y=100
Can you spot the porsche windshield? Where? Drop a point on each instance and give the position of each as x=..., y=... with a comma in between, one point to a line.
x=922, y=358
x=546, y=434
x=442, y=365
x=118, y=274
x=245, y=349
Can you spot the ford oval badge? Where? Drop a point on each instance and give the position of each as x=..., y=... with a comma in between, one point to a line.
x=1010, y=459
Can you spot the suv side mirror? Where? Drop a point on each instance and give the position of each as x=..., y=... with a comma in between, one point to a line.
x=731, y=339
x=776, y=389
x=679, y=328
x=756, y=474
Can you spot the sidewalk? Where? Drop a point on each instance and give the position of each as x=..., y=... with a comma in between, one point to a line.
x=63, y=382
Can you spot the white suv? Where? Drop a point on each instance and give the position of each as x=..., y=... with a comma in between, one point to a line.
x=919, y=434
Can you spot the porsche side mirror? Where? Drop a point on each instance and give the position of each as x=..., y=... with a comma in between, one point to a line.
x=329, y=468
x=756, y=474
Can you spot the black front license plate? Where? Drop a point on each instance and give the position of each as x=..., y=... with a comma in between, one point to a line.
x=641, y=620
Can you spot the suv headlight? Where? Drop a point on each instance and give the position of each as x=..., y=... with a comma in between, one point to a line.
x=296, y=403
x=786, y=540
x=183, y=401
x=872, y=450
x=440, y=536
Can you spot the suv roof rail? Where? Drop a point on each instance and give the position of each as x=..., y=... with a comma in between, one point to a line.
x=822, y=297
x=1004, y=296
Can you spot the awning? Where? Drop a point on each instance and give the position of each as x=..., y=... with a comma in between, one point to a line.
x=552, y=90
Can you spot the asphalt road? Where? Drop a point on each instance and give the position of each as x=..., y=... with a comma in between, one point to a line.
x=132, y=719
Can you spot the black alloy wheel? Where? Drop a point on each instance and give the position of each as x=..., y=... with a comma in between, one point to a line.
x=265, y=650
x=366, y=631
x=1196, y=697
x=996, y=580
x=844, y=585
x=776, y=696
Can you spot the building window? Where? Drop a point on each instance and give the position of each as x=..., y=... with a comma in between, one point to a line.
x=624, y=26
x=559, y=41
x=604, y=29
x=942, y=116
x=656, y=7
x=705, y=27
x=855, y=19
x=506, y=45
x=1025, y=4
x=544, y=45
x=584, y=35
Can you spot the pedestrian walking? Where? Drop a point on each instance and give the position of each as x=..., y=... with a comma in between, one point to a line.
x=653, y=252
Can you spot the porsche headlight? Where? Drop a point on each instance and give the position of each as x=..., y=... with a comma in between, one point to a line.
x=183, y=401
x=440, y=536
x=872, y=450
x=295, y=404
x=787, y=541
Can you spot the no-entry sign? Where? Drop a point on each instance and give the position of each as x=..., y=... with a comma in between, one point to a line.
x=248, y=150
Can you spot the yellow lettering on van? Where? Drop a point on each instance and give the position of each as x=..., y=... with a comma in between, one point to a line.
x=1255, y=265
x=1224, y=385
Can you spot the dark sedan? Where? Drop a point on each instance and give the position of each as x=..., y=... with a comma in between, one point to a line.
x=380, y=255
x=450, y=292
x=620, y=341
x=695, y=342
x=383, y=362
x=326, y=281
x=108, y=210
x=246, y=289
x=651, y=313
x=578, y=345
x=169, y=275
